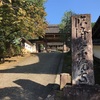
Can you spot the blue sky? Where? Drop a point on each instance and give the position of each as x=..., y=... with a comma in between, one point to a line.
x=55, y=9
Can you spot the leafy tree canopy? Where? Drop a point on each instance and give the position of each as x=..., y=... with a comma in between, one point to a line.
x=65, y=26
x=21, y=18
x=93, y=23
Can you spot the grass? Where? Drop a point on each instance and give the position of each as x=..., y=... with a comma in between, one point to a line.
x=67, y=63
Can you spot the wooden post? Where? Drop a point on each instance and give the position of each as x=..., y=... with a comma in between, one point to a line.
x=82, y=54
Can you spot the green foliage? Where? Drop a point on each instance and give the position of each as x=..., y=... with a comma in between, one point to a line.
x=67, y=63
x=21, y=18
x=92, y=24
x=38, y=2
x=65, y=26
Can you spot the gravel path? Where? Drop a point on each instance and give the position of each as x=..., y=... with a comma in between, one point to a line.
x=29, y=78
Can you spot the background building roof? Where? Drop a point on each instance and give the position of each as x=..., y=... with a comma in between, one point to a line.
x=96, y=29
x=52, y=29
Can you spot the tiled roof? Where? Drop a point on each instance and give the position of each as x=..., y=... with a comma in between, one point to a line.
x=96, y=29
x=96, y=32
x=25, y=40
x=55, y=43
x=52, y=29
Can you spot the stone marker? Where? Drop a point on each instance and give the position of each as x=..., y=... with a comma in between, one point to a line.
x=82, y=54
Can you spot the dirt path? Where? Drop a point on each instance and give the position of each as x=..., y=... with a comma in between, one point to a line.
x=29, y=78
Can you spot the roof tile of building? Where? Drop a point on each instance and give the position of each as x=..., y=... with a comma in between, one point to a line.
x=52, y=29
x=96, y=29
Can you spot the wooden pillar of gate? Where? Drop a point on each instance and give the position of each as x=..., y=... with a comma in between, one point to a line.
x=82, y=54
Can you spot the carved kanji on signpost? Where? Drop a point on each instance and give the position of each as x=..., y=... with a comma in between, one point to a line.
x=82, y=54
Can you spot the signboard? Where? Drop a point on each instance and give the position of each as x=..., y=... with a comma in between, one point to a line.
x=82, y=54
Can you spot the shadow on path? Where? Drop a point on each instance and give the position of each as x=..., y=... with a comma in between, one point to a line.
x=48, y=64
x=29, y=90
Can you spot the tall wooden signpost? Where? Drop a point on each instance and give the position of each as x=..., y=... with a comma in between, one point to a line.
x=82, y=54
